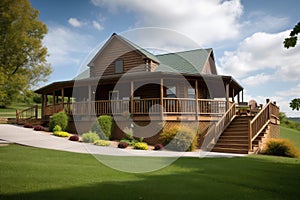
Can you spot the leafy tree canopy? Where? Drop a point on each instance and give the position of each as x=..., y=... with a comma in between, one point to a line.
x=22, y=54
x=295, y=104
x=292, y=40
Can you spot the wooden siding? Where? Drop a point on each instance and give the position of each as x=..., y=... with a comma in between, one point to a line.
x=104, y=64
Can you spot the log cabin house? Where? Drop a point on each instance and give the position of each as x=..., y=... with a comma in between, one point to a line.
x=137, y=87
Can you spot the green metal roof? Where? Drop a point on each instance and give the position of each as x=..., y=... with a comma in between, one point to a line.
x=188, y=62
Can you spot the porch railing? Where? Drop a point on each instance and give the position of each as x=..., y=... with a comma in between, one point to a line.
x=261, y=120
x=214, y=132
x=27, y=114
x=142, y=106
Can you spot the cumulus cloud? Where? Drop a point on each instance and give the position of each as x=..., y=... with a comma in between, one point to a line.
x=262, y=51
x=204, y=21
x=64, y=45
x=256, y=80
x=75, y=22
x=97, y=25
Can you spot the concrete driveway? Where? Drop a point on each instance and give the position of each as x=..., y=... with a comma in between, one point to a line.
x=29, y=137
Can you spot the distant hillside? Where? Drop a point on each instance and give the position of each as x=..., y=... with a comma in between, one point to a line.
x=296, y=119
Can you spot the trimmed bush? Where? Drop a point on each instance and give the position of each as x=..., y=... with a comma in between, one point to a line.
x=179, y=139
x=90, y=137
x=60, y=119
x=122, y=145
x=140, y=146
x=103, y=126
x=102, y=143
x=280, y=147
x=158, y=147
x=74, y=138
x=57, y=128
x=39, y=128
x=61, y=134
x=27, y=126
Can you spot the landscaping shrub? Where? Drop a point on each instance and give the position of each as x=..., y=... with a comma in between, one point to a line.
x=60, y=119
x=280, y=147
x=61, y=134
x=123, y=145
x=39, y=128
x=74, y=138
x=27, y=126
x=103, y=126
x=179, y=139
x=57, y=128
x=140, y=145
x=90, y=137
x=158, y=147
x=102, y=143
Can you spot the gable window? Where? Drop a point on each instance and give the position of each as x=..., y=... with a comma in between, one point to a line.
x=119, y=66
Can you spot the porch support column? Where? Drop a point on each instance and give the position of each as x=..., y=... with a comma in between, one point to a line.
x=238, y=97
x=90, y=99
x=161, y=98
x=43, y=105
x=232, y=95
x=131, y=97
x=196, y=99
x=63, y=98
x=53, y=101
x=227, y=96
x=242, y=95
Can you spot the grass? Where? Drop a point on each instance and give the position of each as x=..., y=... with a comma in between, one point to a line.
x=291, y=134
x=10, y=111
x=31, y=173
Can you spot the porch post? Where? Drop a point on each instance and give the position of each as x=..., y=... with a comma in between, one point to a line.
x=227, y=96
x=131, y=97
x=161, y=98
x=43, y=105
x=90, y=99
x=63, y=98
x=242, y=95
x=196, y=99
x=53, y=102
x=232, y=95
x=238, y=97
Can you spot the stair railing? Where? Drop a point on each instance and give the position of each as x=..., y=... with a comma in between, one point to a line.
x=214, y=132
x=261, y=120
x=26, y=114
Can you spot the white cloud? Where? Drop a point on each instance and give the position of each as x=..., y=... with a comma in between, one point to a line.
x=97, y=25
x=256, y=80
x=204, y=21
x=293, y=92
x=263, y=51
x=75, y=22
x=64, y=46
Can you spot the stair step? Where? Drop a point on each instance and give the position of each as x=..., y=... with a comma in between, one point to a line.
x=230, y=150
x=234, y=137
x=232, y=145
x=229, y=141
x=240, y=133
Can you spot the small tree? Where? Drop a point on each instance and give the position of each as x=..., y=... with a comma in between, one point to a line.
x=295, y=104
x=292, y=40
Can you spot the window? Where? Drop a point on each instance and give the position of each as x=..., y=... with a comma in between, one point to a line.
x=191, y=93
x=171, y=92
x=119, y=66
x=114, y=95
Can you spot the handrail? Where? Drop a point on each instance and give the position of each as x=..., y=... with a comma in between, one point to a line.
x=216, y=129
x=261, y=120
x=28, y=113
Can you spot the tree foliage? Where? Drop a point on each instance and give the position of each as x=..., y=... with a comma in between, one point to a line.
x=22, y=54
x=295, y=104
x=292, y=40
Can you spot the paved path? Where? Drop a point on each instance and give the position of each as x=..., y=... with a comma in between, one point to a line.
x=40, y=139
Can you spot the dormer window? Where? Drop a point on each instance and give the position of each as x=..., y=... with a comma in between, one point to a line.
x=119, y=66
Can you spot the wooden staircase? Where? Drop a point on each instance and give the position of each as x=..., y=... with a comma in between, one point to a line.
x=234, y=139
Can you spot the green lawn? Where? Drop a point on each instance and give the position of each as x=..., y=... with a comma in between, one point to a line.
x=291, y=134
x=31, y=173
x=10, y=111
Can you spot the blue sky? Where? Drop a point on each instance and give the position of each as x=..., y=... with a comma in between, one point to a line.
x=246, y=37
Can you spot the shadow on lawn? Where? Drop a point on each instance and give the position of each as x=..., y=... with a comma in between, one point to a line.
x=190, y=178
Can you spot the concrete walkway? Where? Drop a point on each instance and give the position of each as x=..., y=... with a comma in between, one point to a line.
x=40, y=139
